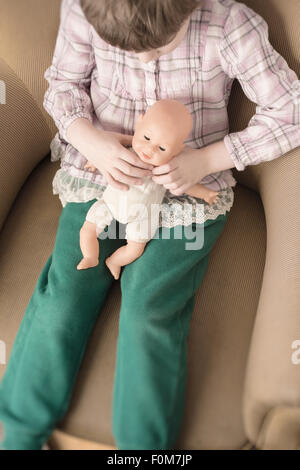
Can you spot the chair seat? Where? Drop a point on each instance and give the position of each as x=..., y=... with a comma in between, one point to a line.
x=225, y=308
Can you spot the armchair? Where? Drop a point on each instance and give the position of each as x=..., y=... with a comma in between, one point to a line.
x=243, y=389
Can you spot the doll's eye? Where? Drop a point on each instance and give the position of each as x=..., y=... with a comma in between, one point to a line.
x=162, y=149
x=147, y=138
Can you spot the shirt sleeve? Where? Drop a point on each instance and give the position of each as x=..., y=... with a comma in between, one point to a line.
x=265, y=77
x=68, y=97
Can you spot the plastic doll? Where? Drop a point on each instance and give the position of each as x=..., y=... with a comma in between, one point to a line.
x=159, y=136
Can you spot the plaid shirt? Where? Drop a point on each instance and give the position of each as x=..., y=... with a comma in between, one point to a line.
x=225, y=40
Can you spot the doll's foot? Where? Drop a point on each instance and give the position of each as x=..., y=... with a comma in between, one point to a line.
x=114, y=268
x=212, y=198
x=86, y=263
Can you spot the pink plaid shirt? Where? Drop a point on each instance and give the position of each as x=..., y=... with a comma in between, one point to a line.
x=225, y=40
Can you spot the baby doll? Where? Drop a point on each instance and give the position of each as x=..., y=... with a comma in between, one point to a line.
x=159, y=136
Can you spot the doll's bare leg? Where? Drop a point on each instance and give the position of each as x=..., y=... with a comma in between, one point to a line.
x=124, y=255
x=202, y=192
x=89, y=245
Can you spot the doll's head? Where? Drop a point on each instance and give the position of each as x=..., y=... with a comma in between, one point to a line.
x=160, y=132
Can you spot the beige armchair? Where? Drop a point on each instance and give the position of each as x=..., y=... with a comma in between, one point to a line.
x=243, y=388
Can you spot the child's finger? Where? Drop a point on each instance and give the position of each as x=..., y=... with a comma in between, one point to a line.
x=135, y=160
x=123, y=178
x=132, y=170
x=181, y=190
x=171, y=185
x=113, y=182
x=162, y=169
x=171, y=177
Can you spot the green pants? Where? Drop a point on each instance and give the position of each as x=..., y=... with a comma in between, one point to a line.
x=150, y=376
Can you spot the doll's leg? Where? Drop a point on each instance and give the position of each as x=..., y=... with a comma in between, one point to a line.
x=138, y=234
x=124, y=255
x=202, y=192
x=89, y=245
x=97, y=218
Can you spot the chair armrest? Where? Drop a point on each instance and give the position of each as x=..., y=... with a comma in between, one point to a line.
x=24, y=137
x=272, y=384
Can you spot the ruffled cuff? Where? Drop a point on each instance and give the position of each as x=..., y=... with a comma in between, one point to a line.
x=234, y=148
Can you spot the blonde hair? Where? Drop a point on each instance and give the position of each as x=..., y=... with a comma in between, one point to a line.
x=138, y=25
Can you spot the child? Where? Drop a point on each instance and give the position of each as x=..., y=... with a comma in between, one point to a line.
x=112, y=59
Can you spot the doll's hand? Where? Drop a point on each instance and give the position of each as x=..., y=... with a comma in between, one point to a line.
x=181, y=172
x=90, y=166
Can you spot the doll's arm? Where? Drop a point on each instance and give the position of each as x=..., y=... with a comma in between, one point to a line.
x=202, y=192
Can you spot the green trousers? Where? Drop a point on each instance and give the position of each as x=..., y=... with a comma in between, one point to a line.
x=150, y=376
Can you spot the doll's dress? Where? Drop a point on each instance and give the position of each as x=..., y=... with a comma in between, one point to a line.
x=175, y=210
x=138, y=207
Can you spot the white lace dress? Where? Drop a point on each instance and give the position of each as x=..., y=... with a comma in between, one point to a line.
x=175, y=210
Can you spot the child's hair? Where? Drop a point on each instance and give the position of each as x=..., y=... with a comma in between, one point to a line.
x=138, y=25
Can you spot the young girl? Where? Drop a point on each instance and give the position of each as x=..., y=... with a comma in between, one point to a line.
x=112, y=59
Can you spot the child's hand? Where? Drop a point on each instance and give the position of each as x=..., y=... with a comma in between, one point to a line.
x=124, y=139
x=182, y=172
x=117, y=164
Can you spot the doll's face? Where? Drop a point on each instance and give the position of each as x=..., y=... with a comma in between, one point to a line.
x=155, y=140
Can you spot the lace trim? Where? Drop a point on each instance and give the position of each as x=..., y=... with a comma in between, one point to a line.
x=58, y=148
x=175, y=210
